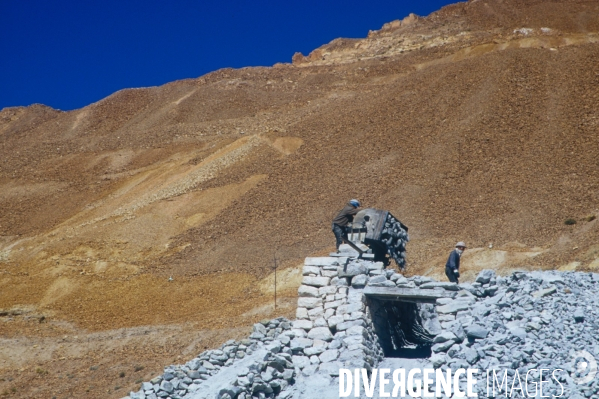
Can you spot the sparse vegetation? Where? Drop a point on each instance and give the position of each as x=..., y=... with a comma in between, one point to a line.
x=122, y=374
x=590, y=218
x=139, y=368
x=570, y=222
x=41, y=371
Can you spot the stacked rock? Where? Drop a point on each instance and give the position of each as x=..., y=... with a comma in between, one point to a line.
x=269, y=377
x=333, y=329
x=182, y=381
x=537, y=320
x=395, y=237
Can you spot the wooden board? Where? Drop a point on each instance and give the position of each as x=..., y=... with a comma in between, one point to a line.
x=408, y=294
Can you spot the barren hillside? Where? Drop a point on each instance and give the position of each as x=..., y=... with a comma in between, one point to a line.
x=476, y=123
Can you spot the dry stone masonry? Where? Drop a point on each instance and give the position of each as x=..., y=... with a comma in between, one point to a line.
x=352, y=313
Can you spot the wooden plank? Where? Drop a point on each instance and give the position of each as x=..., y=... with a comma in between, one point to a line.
x=407, y=294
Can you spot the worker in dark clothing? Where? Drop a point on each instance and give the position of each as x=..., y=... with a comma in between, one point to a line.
x=343, y=218
x=452, y=267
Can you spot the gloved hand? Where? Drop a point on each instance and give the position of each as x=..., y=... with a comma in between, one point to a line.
x=456, y=272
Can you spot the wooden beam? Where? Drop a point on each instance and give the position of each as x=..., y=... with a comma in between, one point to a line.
x=408, y=294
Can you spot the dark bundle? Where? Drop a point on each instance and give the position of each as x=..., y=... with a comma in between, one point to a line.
x=395, y=238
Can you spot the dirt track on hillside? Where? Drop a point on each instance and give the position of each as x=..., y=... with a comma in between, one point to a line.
x=464, y=124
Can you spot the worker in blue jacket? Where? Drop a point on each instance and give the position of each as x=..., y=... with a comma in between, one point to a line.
x=452, y=267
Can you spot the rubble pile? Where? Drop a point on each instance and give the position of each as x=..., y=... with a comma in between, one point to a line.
x=261, y=364
x=537, y=320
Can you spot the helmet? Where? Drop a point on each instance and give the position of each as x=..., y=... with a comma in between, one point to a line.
x=355, y=202
x=461, y=244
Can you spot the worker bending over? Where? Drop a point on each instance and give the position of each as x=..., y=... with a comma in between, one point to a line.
x=343, y=218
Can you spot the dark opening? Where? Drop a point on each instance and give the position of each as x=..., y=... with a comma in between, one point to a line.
x=400, y=328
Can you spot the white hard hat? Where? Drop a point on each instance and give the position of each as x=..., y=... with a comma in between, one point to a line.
x=461, y=244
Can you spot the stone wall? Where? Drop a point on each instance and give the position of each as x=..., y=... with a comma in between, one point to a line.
x=525, y=321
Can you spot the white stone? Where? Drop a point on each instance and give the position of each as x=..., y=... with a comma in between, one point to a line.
x=443, y=284
x=446, y=317
x=401, y=280
x=307, y=270
x=357, y=346
x=333, y=305
x=298, y=332
x=438, y=359
x=357, y=330
x=320, y=322
x=334, y=320
x=353, y=339
x=544, y=292
x=350, y=323
x=453, y=307
x=444, y=337
x=352, y=269
x=329, y=355
x=316, y=313
x=355, y=295
x=301, y=313
x=328, y=290
x=308, y=291
x=324, y=261
x=309, y=303
x=314, y=351
x=300, y=343
x=376, y=266
x=356, y=315
x=443, y=301
x=300, y=361
x=322, y=333
x=303, y=324
x=316, y=281
x=350, y=308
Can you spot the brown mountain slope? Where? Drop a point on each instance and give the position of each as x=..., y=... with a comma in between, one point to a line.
x=476, y=123
x=484, y=141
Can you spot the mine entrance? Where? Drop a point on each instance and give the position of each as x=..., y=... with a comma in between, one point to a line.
x=400, y=327
x=405, y=319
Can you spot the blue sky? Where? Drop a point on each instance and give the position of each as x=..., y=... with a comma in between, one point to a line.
x=68, y=54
